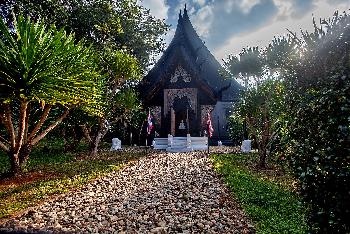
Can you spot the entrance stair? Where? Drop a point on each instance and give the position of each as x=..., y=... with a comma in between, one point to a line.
x=181, y=144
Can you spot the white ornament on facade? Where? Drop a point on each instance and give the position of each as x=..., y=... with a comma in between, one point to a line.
x=180, y=72
x=171, y=94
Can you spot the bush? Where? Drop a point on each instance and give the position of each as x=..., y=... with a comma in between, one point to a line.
x=235, y=128
x=319, y=140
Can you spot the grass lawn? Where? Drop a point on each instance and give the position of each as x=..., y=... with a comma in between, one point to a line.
x=50, y=172
x=268, y=197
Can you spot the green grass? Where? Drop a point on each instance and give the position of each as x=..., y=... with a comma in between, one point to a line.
x=267, y=198
x=50, y=172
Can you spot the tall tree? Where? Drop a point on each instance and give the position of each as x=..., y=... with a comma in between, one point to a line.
x=260, y=99
x=124, y=34
x=40, y=69
x=123, y=69
x=122, y=24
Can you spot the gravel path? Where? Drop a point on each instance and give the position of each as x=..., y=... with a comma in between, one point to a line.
x=161, y=193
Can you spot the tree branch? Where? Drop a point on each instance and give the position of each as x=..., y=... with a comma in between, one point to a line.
x=21, y=125
x=9, y=125
x=49, y=128
x=86, y=132
x=4, y=147
x=41, y=122
x=4, y=140
x=27, y=123
x=115, y=120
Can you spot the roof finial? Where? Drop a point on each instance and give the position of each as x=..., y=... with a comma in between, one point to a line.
x=180, y=15
x=185, y=10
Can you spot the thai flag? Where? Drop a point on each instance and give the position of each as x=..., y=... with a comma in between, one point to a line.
x=209, y=126
x=149, y=123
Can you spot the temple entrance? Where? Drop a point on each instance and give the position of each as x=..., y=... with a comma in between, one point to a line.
x=183, y=116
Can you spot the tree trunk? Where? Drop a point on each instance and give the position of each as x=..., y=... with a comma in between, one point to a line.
x=93, y=148
x=15, y=165
x=71, y=138
x=262, y=158
x=96, y=141
x=264, y=142
x=18, y=161
x=24, y=154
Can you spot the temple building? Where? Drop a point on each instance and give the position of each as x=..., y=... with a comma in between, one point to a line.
x=185, y=85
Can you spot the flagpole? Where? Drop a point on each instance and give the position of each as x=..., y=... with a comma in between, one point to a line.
x=188, y=129
x=147, y=128
x=209, y=129
x=208, y=137
x=146, y=131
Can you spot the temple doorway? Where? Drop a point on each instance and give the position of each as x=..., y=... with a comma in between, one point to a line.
x=183, y=114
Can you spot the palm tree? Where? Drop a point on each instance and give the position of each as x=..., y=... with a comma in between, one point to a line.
x=41, y=69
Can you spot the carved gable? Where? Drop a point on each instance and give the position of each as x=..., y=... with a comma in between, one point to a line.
x=171, y=94
x=180, y=74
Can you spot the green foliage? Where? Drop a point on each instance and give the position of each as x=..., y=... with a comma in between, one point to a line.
x=260, y=108
x=127, y=101
x=272, y=208
x=122, y=66
x=4, y=163
x=235, y=127
x=42, y=70
x=318, y=104
x=46, y=65
x=120, y=25
x=311, y=119
x=280, y=54
x=128, y=116
x=141, y=32
x=248, y=66
x=124, y=35
x=122, y=69
x=261, y=99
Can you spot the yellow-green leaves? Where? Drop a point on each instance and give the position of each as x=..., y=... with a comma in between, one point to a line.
x=45, y=64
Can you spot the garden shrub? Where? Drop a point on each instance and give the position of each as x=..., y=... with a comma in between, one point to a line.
x=319, y=113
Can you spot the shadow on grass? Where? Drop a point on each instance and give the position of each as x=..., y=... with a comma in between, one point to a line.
x=50, y=172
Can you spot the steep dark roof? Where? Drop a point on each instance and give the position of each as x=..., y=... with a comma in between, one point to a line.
x=197, y=56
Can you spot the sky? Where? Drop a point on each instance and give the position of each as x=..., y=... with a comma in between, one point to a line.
x=227, y=26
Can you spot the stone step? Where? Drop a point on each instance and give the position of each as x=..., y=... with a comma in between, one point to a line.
x=179, y=143
x=178, y=149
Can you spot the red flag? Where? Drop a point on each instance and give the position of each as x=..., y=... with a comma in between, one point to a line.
x=149, y=123
x=209, y=126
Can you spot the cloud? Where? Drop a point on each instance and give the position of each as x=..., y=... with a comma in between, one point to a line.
x=295, y=9
x=228, y=25
x=332, y=2
x=158, y=8
x=203, y=20
x=263, y=35
x=200, y=2
x=220, y=20
x=302, y=7
x=247, y=5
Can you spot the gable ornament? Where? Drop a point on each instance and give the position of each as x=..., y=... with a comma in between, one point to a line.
x=179, y=73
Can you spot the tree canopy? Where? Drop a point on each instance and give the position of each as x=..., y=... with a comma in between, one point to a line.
x=41, y=68
x=123, y=24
